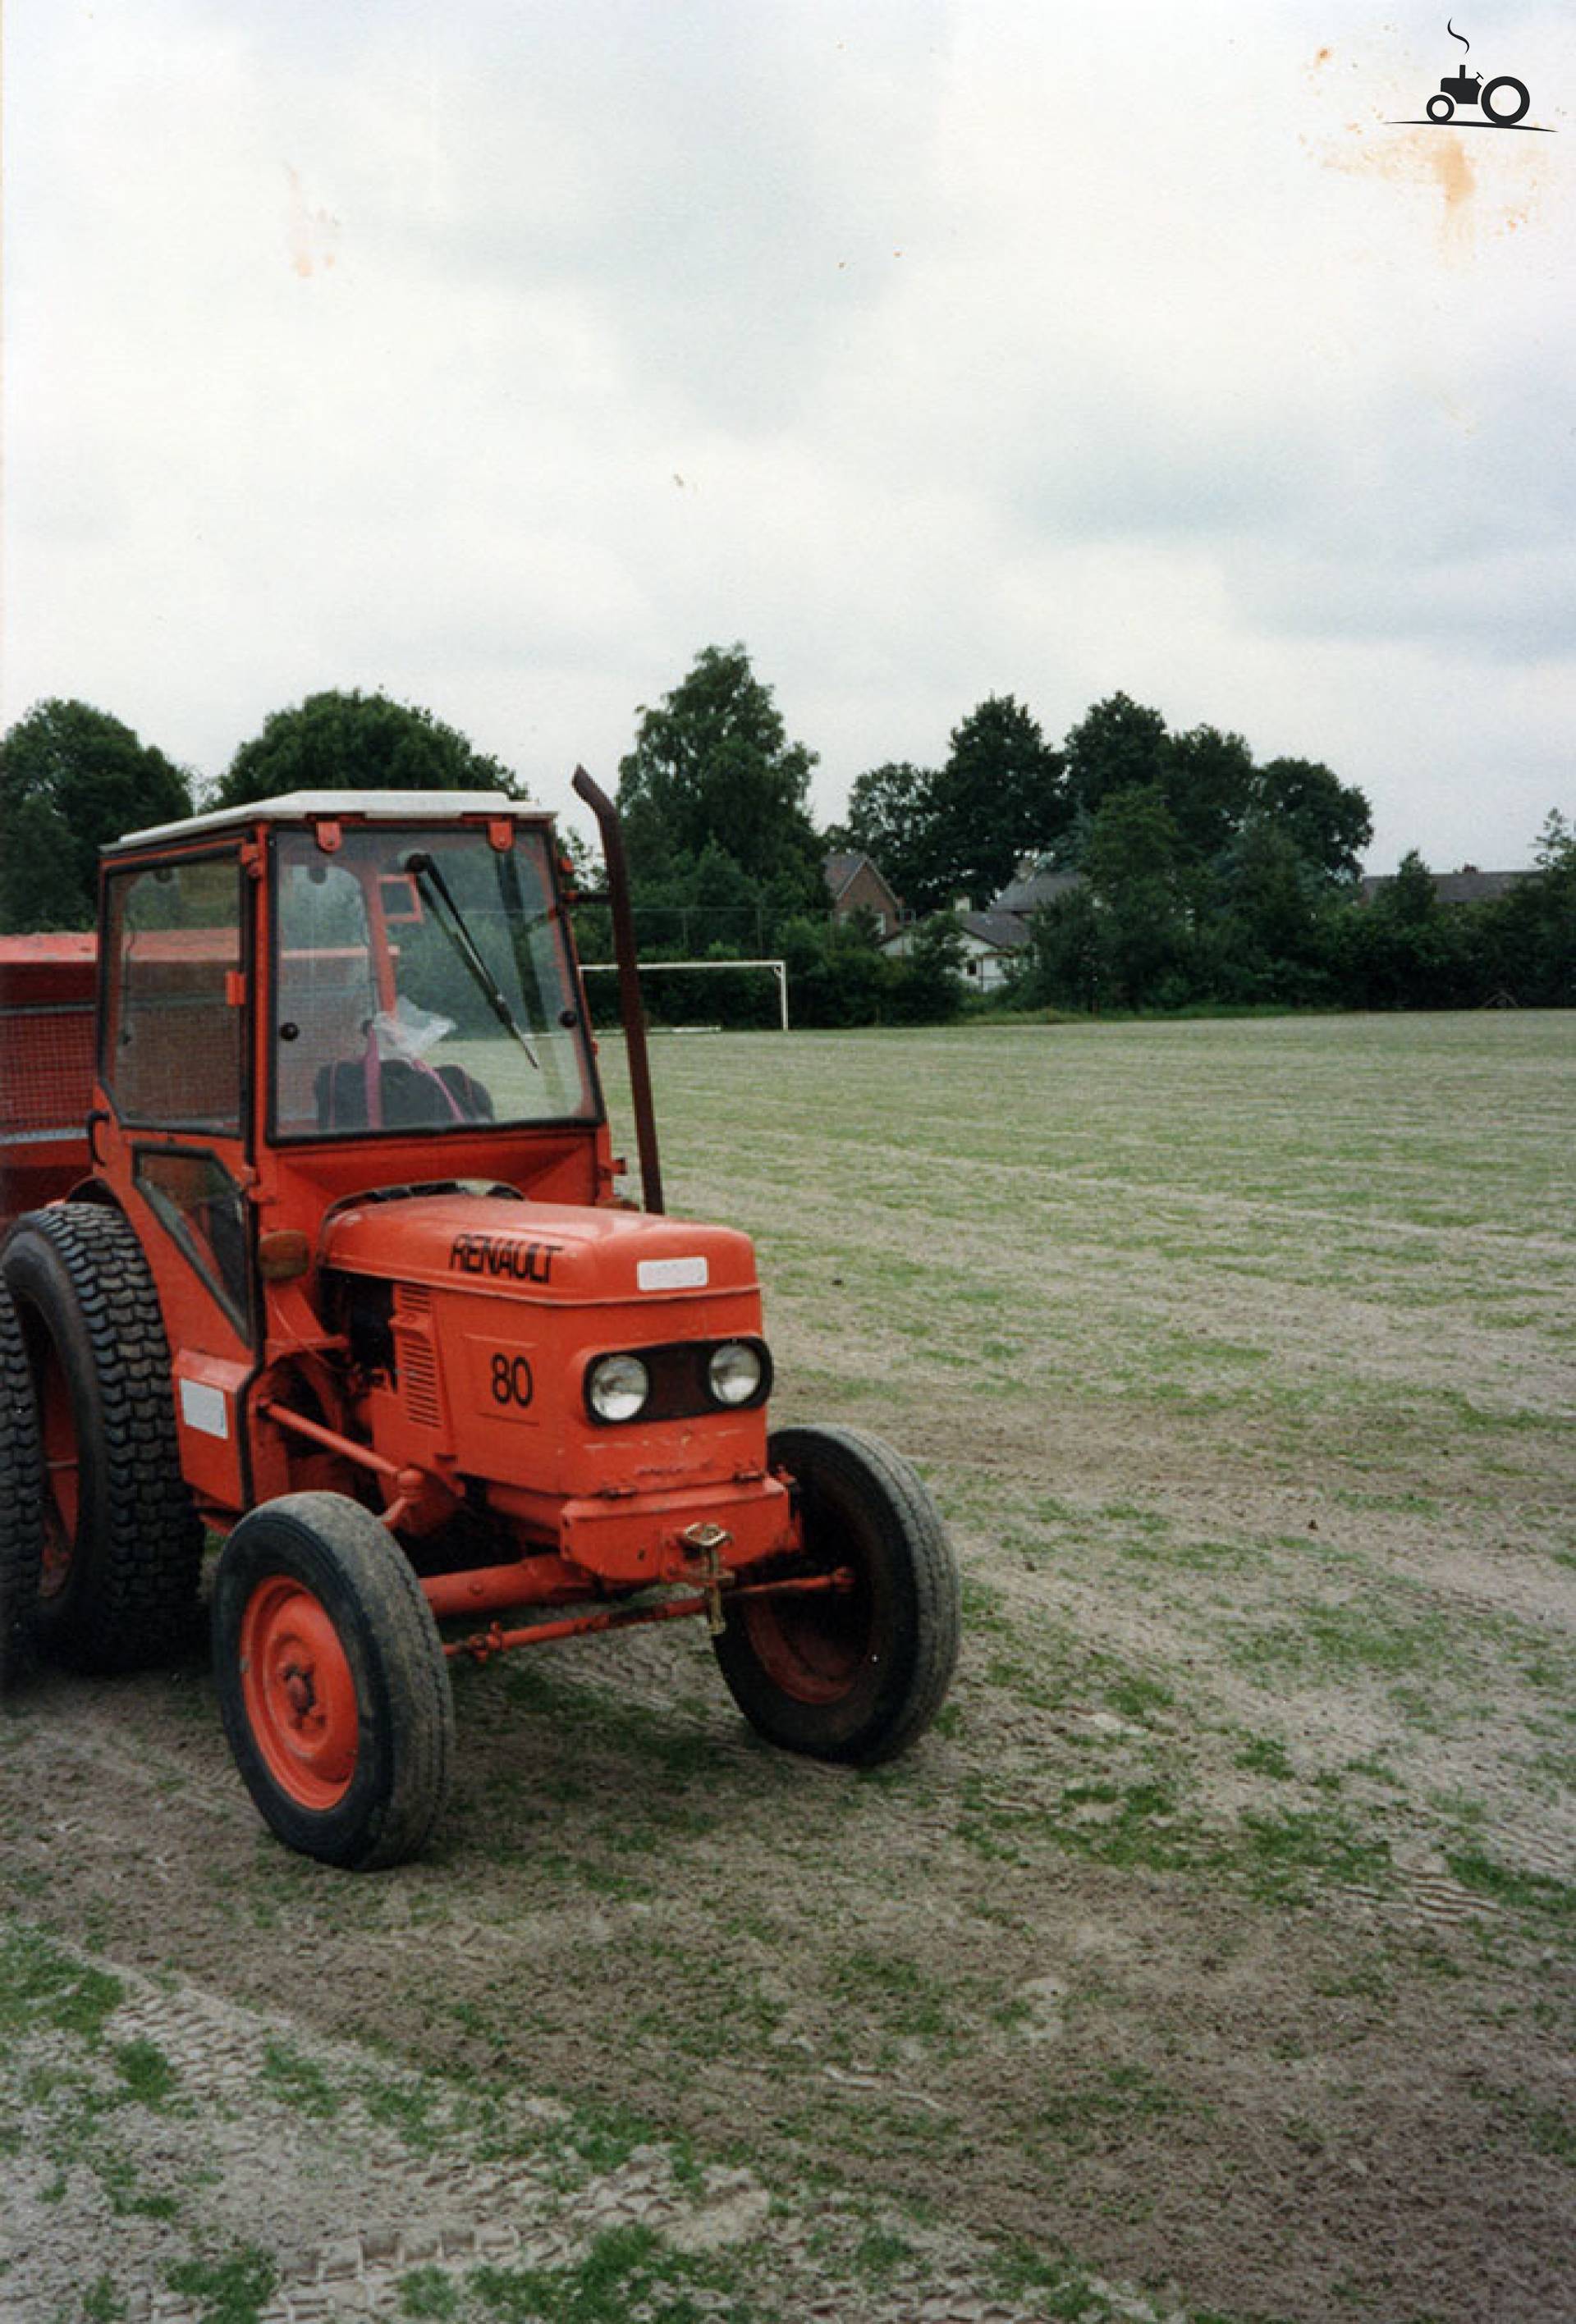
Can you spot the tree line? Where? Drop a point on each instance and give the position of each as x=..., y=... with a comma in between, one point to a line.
x=1195, y=877
x=72, y=778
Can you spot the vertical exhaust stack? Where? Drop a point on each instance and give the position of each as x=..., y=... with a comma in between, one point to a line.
x=629, y=1001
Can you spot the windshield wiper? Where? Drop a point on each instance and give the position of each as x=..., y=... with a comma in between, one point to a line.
x=421, y=867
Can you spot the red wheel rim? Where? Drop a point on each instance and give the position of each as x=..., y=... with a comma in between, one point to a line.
x=298, y=1692
x=812, y=1645
x=62, y=1482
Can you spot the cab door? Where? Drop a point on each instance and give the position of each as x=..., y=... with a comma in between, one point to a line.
x=174, y=1135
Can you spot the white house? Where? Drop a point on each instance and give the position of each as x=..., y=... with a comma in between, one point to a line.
x=992, y=942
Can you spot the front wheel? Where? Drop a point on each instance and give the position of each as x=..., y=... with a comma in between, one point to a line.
x=331, y=1681
x=1439, y=107
x=855, y=1673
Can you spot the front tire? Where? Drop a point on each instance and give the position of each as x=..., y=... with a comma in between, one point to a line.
x=21, y=1503
x=121, y=1547
x=332, y=1682
x=858, y=1674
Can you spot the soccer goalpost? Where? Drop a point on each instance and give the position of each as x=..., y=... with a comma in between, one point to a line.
x=779, y=969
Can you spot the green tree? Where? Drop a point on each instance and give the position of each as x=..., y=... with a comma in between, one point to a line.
x=1528, y=936
x=1405, y=950
x=71, y=779
x=712, y=765
x=1066, y=962
x=706, y=902
x=1117, y=745
x=1209, y=780
x=1133, y=864
x=998, y=798
x=929, y=987
x=354, y=742
x=1133, y=843
x=893, y=818
x=1411, y=899
x=960, y=829
x=1268, y=938
x=837, y=975
x=1330, y=822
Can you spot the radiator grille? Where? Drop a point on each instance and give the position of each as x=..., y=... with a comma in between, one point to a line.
x=419, y=1377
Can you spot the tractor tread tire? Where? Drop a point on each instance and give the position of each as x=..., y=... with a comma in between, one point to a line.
x=350, y=1563
x=914, y=1639
x=80, y=1271
x=21, y=1503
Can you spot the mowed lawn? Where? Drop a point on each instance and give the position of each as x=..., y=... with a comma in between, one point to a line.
x=1212, y=1957
x=1242, y=1357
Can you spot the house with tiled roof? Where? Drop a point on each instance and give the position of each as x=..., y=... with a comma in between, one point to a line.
x=1467, y=886
x=992, y=942
x=1034, y=884
x=856, y=885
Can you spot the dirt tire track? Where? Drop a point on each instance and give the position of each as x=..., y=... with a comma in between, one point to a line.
x=347, y=2208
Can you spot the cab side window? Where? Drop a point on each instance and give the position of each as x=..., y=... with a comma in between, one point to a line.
x=172, y=1032
x=198, y=1203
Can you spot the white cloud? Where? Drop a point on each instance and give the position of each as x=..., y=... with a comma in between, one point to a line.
x=505, y=356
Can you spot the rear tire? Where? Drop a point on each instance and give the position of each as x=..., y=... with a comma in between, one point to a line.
x=21, y=1503
x=854, y=1674
x=332, y=1682
x=122, y=1545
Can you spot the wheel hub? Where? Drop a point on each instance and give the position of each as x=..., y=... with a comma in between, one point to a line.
x=299, y=1688
x=299, y=1691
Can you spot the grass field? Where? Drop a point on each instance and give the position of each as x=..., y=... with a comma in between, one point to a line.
x=1212, y=1960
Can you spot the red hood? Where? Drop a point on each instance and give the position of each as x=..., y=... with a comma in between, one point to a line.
x=549, y=1250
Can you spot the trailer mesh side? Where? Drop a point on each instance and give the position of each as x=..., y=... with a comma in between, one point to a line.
x=46, y=1070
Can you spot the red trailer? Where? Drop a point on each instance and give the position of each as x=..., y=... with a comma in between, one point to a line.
x=48, y=988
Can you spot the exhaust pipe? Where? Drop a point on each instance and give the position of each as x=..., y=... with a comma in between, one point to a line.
x=629, y=1001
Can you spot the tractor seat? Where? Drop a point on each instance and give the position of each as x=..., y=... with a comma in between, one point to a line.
x=410, y=1097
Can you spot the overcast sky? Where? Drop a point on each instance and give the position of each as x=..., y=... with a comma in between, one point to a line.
x=505, y=355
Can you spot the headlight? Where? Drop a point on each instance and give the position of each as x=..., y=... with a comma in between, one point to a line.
x=734, y=1372
x=616, y=1386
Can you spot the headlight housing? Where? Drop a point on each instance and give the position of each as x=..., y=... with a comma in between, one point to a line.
x=734, y=1372
x=679, y=1379
x=617, y=1387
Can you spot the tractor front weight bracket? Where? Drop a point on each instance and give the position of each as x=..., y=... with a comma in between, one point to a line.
x=707, y=1543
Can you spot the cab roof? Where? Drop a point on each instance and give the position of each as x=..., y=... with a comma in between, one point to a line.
x=368, y=806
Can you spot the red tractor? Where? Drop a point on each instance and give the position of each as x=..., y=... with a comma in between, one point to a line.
x=338, y=1269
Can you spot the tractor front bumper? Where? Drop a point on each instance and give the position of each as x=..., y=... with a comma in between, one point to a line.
x=650, y=1538
x=632, y=1539
x=711, y=1540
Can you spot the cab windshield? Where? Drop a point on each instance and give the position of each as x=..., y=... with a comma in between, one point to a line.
x=423, y=982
